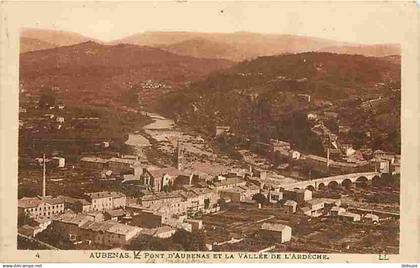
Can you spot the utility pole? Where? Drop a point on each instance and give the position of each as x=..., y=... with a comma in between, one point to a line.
x=328, y=156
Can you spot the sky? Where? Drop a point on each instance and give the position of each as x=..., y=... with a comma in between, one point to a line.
x=368, y=23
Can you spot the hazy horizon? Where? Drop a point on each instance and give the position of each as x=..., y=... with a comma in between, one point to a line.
x=345, y=43
x=363, y=23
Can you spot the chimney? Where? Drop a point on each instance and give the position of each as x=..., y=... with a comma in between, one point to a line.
x=179, y=156
x=43, y=176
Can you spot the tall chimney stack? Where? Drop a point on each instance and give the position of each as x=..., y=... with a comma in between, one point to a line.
x=43, y=177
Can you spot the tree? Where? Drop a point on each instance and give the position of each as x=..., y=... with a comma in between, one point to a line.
x=190, y=241
x=24, y=219
x=47, y=99
x=152, y=243
x=260, y=198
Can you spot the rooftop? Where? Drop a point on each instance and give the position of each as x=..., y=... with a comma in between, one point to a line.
x=229, y=181
x=171, y=171
x=116, y=212
x=122, y=229
x=73, y=200
x=99, y=195
x=51, y=200
x=276, y=227
x=94, y=159
x=123, y=160
x=290, y=203
x=72, y=218
x=29, y=202
x=349, y=214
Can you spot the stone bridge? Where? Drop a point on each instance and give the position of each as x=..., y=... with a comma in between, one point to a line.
x=344, y=180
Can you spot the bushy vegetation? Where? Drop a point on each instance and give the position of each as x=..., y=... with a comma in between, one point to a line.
x=181, y=241
x=259, y=99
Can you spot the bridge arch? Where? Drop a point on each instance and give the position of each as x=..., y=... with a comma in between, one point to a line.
x=321, y=186
x=378, y=180
x=310, y=188
x=333, y=184
x=362, y=181
x=347, y=183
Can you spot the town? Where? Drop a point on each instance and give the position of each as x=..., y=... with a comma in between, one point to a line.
x=167, y=188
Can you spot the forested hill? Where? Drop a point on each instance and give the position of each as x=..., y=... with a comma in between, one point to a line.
x=91, y=72
x=263, y=99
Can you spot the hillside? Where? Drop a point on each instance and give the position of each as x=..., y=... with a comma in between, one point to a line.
x=202, y=48
x=35, y=39
x=94, y=73
x=233, y=46
x=367, y=50
x=260, y=99
x=32, y=44
x=245, y=45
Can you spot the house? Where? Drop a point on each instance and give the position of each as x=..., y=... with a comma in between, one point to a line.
x=93, y=163
x=156, y=201
x=59, y=161
x=343, y=129
x=121, y=164
x=295, y=155
x=67, y=224
x=40, y=206
x=304, y=97
x=349, y=217
x=59, y=119
x=312, y=116
x=298, y=195
x=116, y=214
x=42, y=222
x=229, y=183
x=195, y=224
x=120, y=234
x=275, y=231
x=145, y=218
x=337, y=211
x=221, y=130
x=160, y=179
x=159, y=232
x=108, y=233
x=29, y=230
x=381, y=155
x=202, y=199
x=382, y=165
x=371, y=218
x=75, y=204
x=95, y=231
x=106, y=200
x=290, y=206
x=313, y=208
x=235, y=194
x=96, y=216
x=275, y=196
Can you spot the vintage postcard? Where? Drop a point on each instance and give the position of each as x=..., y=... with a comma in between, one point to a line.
x=209, y=131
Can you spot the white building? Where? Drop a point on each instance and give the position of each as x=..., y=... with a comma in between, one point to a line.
x=280, y=232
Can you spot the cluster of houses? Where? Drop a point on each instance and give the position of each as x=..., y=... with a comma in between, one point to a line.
x=113, y=220
x=150, y=84
x=173, y=198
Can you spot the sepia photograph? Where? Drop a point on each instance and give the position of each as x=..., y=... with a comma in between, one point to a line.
x=209, y=127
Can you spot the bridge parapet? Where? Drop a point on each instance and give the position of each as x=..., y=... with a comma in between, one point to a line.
x=339, y=179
